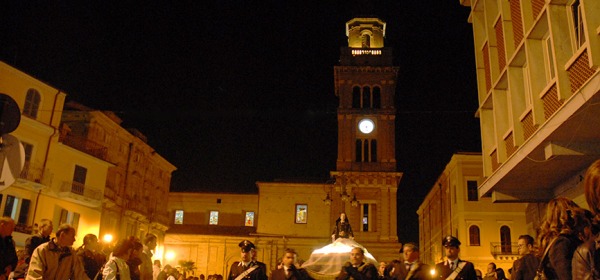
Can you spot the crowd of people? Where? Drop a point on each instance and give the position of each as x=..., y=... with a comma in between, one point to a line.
x=55, y=258
x=566, y=248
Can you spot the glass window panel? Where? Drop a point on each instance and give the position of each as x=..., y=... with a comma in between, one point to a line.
x=178, y=217
x=249, y=220
x=214, y=218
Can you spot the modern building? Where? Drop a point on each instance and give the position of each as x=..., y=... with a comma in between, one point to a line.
x=58, y=182
x=538, y=90
x=488, y=231
x=301, y=214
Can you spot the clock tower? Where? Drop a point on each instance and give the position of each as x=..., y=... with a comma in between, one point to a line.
x=366, y=175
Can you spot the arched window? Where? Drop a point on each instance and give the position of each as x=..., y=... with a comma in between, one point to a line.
x=505, y=242
x=373, y=150
x=32, y=103
x=366, y=97
x=356, y=97
x=366, y=41
x=376, y=97
x=474, y=239
x=366, y=151
x=358, y=150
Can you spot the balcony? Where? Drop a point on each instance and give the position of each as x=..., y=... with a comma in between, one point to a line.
x=504, y=251
x=136, y=207
x=82, y=144
x=33, y=176
x=80, y=193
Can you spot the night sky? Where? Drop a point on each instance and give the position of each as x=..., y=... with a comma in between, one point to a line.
x=234, y=92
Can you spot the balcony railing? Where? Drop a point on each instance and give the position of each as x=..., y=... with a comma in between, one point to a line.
x=22, y=228
x=498, y=248
x=80, y=193
x=32, y=172
x=87, y=146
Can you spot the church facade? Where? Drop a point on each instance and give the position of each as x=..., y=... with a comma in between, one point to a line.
x=207, y=227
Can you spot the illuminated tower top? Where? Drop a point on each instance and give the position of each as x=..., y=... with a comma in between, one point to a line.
x=365, y=43
x=365, y=33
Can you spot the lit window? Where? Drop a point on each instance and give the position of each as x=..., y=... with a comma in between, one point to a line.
x=365, y=217
x=214, y=218
x=179, y=217
x=249, y=220
x=301, y=213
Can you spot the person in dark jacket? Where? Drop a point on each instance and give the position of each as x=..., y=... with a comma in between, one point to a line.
x=454, y=267
x=586, y=259
x=289, y=269
x=45, y=229
x=357, y=269
x=248, y=268
x=525, y=267
x=8, y=253
x=409, y=269
x=89, y=256
x=559, y=232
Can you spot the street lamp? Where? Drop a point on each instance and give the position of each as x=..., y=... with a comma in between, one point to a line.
x=107, y=238
x=327, y=200
x=170, y=256
x=354, y=202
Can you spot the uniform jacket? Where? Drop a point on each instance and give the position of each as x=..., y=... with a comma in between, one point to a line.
x=295, y=274
x=467, y=273
x=525, y=267
x=260, y=273
x=49, y=261
x=586, y=260
x=365, y=271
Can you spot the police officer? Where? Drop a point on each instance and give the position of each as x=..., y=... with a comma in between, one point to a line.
x=453, y=267
x=248, y=268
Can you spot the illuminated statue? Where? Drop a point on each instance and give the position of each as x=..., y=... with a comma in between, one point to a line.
x=342, y=228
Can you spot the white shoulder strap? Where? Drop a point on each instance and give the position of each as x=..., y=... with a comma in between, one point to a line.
x=456, y=271
x=246, y=272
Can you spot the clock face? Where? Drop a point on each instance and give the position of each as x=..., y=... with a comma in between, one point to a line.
x=366, y=126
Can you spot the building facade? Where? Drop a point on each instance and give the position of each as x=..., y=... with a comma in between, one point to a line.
x=301, y=215
x=138, y=181
x=488, y=231
x=537, y=71
x=58, y=182
x=81, y=167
